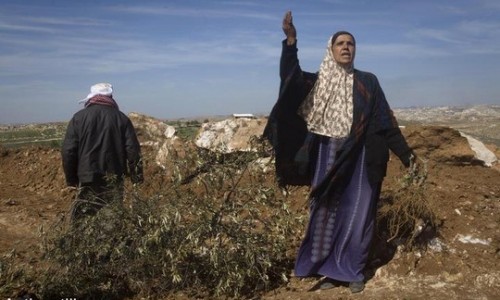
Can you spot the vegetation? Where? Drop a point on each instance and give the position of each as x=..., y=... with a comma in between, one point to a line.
x=215, y=227
x=50, y=134
x=186, y=130
x=213, y=237
x=407, y=214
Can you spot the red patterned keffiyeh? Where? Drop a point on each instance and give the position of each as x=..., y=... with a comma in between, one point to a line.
x=102, y=100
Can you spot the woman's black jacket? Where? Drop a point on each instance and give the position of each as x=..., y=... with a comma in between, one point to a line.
x=374, y=127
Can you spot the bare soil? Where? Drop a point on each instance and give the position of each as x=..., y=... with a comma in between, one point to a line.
x=462, y=262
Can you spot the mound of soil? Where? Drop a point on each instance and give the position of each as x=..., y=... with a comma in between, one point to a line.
x=462, y=262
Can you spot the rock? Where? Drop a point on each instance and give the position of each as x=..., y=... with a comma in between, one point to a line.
x=150, y=128
x=482, y=153
x=487, y=280
x=452, y=277
x=230, y=135
x=156, y=134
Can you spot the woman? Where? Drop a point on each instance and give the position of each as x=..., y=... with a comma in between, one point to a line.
x=333, y=130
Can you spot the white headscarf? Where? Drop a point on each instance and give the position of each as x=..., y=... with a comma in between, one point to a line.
x=105, y=89
x=328, y=108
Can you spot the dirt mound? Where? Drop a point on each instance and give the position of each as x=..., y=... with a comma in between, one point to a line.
x=461, y=262
x=31, y=194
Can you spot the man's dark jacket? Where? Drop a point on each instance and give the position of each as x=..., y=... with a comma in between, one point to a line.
x=374, y=127
x=100, y=141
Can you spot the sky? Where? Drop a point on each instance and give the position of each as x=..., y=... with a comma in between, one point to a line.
x=188, y=59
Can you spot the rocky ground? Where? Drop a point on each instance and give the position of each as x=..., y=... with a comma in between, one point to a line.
x=462, y=262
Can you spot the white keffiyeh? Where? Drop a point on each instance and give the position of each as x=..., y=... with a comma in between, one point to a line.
x=104, y=89
x=328, y=108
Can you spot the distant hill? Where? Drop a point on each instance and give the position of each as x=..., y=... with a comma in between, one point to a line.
x=479, y=121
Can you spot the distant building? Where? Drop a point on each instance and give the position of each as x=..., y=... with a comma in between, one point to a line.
x=239, y=116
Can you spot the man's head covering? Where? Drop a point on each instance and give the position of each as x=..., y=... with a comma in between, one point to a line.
x=104, y=89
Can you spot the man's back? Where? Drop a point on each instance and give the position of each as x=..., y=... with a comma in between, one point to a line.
x=100, y=148
x=100, y=141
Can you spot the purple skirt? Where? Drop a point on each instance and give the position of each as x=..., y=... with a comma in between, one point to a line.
x=339, y=233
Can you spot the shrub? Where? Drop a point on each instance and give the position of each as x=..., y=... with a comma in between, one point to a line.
x=406, y=213
x=216, y=235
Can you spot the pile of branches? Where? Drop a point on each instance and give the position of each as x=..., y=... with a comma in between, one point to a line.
x=406, y=217
x=214, y=235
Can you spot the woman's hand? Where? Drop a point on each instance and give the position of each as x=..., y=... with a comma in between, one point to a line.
x=289, y=29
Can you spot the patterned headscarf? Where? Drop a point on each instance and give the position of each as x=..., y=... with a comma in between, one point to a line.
x=328, y=108
x=102, y=100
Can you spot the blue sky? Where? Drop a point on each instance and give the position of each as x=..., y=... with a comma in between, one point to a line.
x=184, y=59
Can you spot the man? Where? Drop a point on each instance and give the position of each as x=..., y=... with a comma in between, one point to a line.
x=340, y=117
x=100, y=148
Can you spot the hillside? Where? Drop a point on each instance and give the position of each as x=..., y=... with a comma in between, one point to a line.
x=479, y=121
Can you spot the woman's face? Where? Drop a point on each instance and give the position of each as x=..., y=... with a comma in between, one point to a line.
x=344, y=50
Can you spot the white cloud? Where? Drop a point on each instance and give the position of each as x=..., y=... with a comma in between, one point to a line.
x=480, y=28
x=440, y=35
x=121, y=54
x=27, y=28
x=65, y=21
x=193, y=12
x=413, y=51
